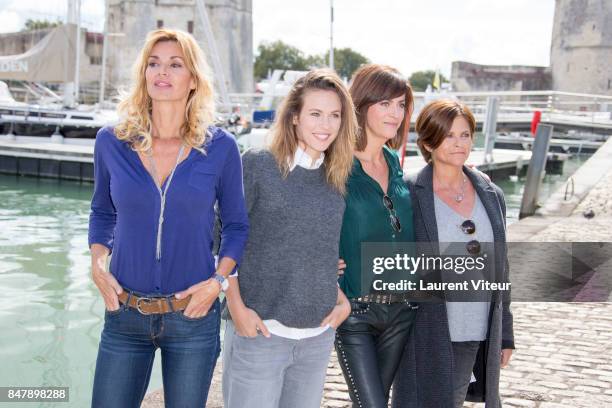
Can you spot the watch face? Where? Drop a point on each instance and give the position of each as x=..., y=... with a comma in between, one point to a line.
x=224, y=282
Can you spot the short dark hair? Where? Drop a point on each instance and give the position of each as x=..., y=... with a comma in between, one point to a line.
x=373, y=83
x=435, y=121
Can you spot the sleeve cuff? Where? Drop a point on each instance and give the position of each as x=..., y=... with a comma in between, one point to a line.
x=507, y=344
x=103, y=243
x=232, y=254
x=234, y=273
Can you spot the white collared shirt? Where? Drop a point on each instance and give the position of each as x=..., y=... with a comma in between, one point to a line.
x=302, y=159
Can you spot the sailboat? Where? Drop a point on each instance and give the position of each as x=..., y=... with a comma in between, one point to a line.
x=50, y=60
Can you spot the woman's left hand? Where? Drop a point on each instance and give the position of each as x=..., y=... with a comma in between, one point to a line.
x=505, y=357
x=339, y=313
x=203, y=295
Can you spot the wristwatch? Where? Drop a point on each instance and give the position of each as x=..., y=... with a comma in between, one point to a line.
x=222, y=281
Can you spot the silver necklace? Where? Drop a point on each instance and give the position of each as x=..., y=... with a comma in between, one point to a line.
x=460, y=195
x=162, y=196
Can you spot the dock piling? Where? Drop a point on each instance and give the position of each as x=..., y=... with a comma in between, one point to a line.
x=536, y=170
x=489, y=127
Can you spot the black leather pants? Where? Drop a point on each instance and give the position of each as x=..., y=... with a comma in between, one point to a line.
x=369, y=345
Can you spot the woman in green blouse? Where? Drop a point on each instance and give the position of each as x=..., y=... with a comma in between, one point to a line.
x=371, y=341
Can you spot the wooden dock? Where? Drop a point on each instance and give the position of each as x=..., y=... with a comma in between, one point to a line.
x=74, y=162
x=556, y=144
x=47, y=160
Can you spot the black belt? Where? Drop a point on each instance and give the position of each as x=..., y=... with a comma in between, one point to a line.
x=386, y=298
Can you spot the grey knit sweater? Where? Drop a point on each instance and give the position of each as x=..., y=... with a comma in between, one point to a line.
x=288, y=271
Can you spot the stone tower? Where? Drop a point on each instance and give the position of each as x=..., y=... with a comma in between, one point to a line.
x=581, y=47
x=232, y=28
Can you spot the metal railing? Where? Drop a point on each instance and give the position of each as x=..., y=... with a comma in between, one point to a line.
x=514, y=106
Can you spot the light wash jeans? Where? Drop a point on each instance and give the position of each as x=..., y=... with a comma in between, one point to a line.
x=274, y=372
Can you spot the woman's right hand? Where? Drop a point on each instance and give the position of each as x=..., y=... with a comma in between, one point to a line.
x=341, y=267
x=247, y=322
x=105, y=281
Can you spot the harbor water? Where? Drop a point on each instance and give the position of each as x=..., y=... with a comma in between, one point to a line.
x=51, y=314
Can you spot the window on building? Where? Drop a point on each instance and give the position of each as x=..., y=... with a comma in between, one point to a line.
x=160, y=23
x=190, y=27
x=95, y=60
x=609, y=83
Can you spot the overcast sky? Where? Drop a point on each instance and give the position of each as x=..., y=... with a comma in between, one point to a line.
x=408, y=34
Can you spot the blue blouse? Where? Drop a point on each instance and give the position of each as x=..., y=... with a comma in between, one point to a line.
x=125, y=213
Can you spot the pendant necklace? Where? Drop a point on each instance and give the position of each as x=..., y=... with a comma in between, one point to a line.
x=461, y=195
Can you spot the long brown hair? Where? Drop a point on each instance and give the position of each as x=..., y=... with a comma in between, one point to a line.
x=373, y=83
x=135, y=108
x=339, y=155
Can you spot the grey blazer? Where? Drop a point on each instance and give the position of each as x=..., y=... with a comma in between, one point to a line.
x=424, y=378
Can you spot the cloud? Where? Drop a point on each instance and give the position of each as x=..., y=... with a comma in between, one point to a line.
x=415, y=35
x=10, y=21
x=92, y=12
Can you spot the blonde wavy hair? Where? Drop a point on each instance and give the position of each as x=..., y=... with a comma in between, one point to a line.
x=339, y=155
x=135, y=107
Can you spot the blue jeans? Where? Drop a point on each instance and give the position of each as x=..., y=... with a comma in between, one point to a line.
x=189, y=351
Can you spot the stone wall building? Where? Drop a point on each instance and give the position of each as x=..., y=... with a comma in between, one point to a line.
x=131, y=20
x=468, y=77
x=581, y=47
x=231, y=23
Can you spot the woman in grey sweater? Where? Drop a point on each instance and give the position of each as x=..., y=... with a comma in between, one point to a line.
x=285, y=303
x=459, y=344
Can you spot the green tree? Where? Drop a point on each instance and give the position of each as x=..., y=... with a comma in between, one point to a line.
x=316, y=61
x=420, y=79
x=346, y=61
x=278, y=55
x=32, y=24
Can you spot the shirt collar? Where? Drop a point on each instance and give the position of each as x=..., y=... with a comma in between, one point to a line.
x=302, y=159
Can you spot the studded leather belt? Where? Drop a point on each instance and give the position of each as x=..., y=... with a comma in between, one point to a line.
x=386, y=298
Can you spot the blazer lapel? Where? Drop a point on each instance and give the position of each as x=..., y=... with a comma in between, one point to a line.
x=490, y=202
x=425, y=198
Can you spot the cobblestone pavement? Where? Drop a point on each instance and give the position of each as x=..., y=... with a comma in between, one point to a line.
x=577, y=228
x=563, y=359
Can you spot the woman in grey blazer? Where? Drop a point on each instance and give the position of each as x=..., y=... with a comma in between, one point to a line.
x=458, y=348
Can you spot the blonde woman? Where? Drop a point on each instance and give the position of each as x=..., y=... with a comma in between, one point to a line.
x=158, y=175
x=285, y=303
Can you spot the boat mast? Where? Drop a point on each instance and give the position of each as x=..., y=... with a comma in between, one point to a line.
x=71, y=89
x=331, y=35
x=104, y=52
x=212, y=47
